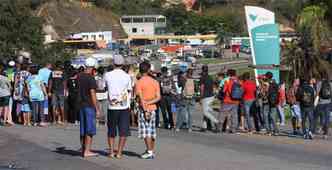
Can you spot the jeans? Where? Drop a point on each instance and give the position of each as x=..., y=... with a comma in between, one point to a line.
x=231, y=112
x=103, y=105
x=307, y=112
x=185, y=114
x=166, y=110
x=208, y=112
x=37, y=111
x=270, y=114
x=281, y=114
x=247, y=107
x=323, y=111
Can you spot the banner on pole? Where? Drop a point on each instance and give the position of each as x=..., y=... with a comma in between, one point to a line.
x=264, y=39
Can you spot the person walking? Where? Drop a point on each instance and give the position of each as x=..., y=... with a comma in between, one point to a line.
x=324, y=105
x=249, y=97
x=148, y=92
x=88, y=107
x=306, y=95
x=207, y=97
x=119, y=88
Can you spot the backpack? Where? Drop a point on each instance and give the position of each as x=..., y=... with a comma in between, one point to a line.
x=291, y=96
x=326, y=90
x=307, y=96
x=221, y=94
x=189, y=88
x=101, y=84
x=273, y=94
x=237, y=91
x=166, y=85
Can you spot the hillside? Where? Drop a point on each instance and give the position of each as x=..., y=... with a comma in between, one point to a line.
x=69, y=17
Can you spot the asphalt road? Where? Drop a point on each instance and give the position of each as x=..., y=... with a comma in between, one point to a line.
x=56, y=148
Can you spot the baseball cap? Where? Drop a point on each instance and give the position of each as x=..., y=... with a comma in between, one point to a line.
x=11, y=63
x=118, y=60
x=90, y=62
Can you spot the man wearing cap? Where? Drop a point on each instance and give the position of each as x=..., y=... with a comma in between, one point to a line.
x=119, y=93
x=88, y=107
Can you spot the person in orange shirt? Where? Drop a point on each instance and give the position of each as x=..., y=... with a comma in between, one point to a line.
x=148, y=91
x=230, y=106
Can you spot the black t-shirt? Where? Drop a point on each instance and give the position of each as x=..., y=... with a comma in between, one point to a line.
x=207, y=81
x=58, y=79
x=86, y=82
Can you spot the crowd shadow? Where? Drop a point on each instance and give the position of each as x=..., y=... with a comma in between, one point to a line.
x=77, y=153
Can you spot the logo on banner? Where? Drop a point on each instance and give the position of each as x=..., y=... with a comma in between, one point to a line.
x=253, y=17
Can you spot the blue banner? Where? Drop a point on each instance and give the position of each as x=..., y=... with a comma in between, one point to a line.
x=266, y=48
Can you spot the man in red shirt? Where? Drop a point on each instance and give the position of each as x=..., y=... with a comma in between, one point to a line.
x=230, y=106
x=249, y=97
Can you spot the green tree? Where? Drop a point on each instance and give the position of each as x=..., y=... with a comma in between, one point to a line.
x=20, y=30
x=304, y=56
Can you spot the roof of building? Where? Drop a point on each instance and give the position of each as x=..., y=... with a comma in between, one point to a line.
x=140, y=16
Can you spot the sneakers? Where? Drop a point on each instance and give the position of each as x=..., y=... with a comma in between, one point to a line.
x=310, y=135
x=148, y=155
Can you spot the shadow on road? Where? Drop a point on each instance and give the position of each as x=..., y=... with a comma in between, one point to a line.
x=70, y=152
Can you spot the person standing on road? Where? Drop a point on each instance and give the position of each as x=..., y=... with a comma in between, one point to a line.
x=167, y=90
x=207, y=97
x=148, y=91
x=37, y=95
x=273, y=99
x=282, y=103
x=249, y=97
x=232, y=99
x=324, y=107
x=88, y=107
x=292, y=100
x=5, y=92
x=21, y=94
x=58, y=90
x=306, y=95
x=45, y=74
x=119, y=88
x=189, y=103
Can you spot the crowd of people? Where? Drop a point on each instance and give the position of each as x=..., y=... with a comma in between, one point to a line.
x=121, y=96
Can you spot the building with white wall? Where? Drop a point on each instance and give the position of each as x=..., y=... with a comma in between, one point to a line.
x=144, y=24
x=105, y=36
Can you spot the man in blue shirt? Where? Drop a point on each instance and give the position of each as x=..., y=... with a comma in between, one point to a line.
x=44, y=74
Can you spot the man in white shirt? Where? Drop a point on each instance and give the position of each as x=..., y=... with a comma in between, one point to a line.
x=119, y=87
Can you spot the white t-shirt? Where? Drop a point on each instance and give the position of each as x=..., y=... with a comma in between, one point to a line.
x=119, y=87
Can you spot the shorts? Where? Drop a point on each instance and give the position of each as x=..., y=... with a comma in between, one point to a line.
x=296, y=112
x=58, y=100
x=4, y=101
x=118, y=121
x=147, y=128
x=25, y=105
x=88, y=121
x=45, y=107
